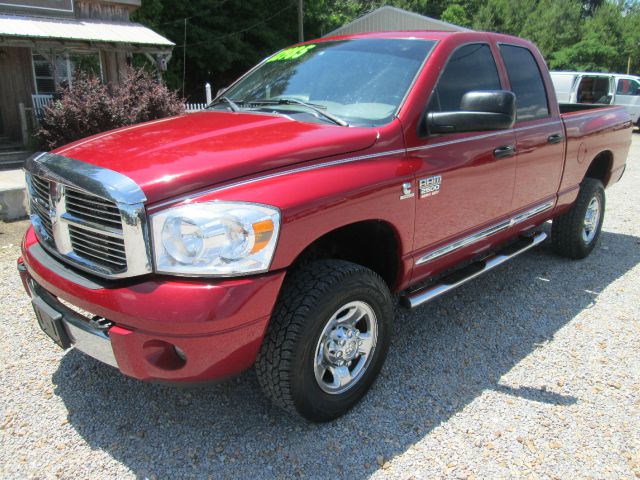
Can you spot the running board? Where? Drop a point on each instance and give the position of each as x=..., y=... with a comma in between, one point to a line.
x=448, y=283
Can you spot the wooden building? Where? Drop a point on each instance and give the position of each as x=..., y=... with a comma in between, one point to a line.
x=43, y=42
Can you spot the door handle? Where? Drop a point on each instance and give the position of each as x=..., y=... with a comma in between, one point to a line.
x=557, y=138
x=504, y=152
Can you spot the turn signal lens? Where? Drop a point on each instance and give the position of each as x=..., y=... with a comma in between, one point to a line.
x=263, y=232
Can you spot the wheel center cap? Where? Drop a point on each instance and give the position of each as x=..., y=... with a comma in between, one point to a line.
x=342, y=345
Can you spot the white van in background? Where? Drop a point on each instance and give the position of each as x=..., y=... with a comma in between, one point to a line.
x=599, y=88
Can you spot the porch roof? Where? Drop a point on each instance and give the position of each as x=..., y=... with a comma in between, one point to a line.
x=79, y=30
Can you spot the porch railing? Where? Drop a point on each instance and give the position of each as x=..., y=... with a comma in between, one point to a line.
x=39, y=102
x=194, y=107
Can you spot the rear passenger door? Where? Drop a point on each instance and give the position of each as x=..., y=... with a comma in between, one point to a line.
x=539, y=132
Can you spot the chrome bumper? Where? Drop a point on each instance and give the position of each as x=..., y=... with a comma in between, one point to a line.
x=92, y=342
x=83, y=336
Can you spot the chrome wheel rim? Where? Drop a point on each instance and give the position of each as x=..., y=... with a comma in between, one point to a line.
x=345, y=347
x=591, y=220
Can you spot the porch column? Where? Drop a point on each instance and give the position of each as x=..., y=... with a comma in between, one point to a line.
x=114, y=64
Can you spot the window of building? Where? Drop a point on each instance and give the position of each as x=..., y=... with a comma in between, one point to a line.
x=52, y=71
x=526, y=82
x=46, y=72
x=470, y=68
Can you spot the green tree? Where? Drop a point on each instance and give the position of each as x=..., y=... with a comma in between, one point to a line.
x=456, y=14
x=504, y=16
x=601, y=46
x=553, y=25
x=224, y=37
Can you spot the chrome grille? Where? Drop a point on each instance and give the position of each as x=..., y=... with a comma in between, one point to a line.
x=40, y=202
x=91, y=217
x=89, y=214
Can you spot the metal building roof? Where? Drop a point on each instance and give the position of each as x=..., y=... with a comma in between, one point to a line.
x=87, y=30
x=391, y=18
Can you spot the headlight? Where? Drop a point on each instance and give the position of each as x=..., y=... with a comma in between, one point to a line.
x=215, y=238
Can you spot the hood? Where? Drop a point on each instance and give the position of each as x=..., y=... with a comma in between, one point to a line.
x=181, y=154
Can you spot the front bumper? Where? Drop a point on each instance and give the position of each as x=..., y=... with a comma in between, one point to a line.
x=88, y=337
x=161, y=329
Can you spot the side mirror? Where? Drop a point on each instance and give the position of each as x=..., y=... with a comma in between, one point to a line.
x=479, y=111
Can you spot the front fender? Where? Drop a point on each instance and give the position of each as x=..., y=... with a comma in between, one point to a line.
x=317, y=199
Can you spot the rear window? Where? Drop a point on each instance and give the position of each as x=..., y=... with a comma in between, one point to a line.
x=526, y=82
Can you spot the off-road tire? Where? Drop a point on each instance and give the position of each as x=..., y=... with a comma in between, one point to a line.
x=309, y=297
x=566, y=230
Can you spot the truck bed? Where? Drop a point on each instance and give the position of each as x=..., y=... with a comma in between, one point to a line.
x=593, y=128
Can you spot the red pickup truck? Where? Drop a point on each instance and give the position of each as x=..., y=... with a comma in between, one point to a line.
x=275, y=228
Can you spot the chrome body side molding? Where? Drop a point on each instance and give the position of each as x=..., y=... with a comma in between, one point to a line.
x=481, y=235
x=332, y=163
x=270, y=176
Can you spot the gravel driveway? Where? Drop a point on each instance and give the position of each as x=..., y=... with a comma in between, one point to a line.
x=531, y=371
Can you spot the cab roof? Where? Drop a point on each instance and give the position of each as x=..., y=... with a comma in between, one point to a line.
x=437, y=35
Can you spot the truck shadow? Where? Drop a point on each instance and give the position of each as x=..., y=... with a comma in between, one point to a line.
x=444, y=355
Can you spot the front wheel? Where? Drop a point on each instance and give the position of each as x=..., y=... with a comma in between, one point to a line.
x=327, y=339
x=575, y=233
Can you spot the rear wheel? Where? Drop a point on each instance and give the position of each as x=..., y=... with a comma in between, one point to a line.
x=575, y=233
x=327, y=339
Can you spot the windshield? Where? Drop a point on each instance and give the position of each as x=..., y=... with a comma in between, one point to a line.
x=360, y=81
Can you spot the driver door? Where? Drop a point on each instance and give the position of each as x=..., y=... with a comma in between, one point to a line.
x=474, y=171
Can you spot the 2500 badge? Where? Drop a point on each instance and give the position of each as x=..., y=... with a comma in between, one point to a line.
x=430, y=186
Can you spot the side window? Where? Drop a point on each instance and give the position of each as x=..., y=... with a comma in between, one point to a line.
x=628, y=87
x=526, y=82
x=470, y=68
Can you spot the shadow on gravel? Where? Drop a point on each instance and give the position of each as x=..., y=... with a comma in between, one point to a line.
x=443, y=356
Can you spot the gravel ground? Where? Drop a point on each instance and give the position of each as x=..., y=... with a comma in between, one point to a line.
x=532, y=371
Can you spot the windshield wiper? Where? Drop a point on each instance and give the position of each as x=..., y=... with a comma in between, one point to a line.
x=232, y=105
x=292, y=101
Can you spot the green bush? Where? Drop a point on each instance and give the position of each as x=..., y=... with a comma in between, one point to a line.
x=89, y=107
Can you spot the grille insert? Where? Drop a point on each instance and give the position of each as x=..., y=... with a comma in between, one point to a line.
x=41, y=186
x=92, y=209
x=40, y=203
x=102, y=249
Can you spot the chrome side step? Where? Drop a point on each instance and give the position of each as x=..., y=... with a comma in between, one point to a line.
x=448, y=283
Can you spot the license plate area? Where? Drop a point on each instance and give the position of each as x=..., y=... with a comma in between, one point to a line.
x=50, y=322
x=69, y=328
